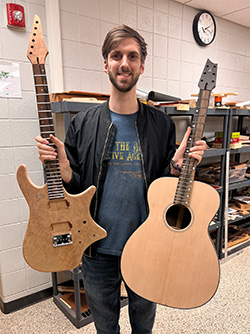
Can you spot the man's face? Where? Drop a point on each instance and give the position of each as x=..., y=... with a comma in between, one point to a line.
x=124, y=65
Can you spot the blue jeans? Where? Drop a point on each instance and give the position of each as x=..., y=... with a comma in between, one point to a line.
x=102, y=281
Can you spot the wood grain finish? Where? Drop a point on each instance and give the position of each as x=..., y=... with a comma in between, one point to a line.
x=52, y=217
x=174, y=267
x=60, y=226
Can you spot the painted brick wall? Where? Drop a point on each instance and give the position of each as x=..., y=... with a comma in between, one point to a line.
x=18, y=128
x=174, y=63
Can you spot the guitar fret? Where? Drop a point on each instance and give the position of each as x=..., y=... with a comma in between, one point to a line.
x=55, y=190
x=52, y=163
x=56, y=194
x=40, y=75
x=54, y=172
x=185, y=182
x=47, y=118
x=46, y=126
x=56, y=197
x=45, y=132
x=52, y=168
x=51, y=180
x=56, y=180
x=54, y=185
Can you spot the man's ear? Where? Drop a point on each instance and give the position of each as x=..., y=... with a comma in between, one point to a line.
x=142, y=68
x=106, y=67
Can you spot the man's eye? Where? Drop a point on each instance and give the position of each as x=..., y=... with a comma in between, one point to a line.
x=133, y=56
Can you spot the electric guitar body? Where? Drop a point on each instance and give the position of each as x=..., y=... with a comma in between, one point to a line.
x=60, y=226
x=170, y=259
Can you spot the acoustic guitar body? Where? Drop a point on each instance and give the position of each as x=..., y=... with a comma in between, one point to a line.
x=170, y=258
x=59, y=230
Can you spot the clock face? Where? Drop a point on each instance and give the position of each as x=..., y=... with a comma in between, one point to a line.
x=204, y=28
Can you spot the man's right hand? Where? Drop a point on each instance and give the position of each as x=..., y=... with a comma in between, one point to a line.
x=47, y=152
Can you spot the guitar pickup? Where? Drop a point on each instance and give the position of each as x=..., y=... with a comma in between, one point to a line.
x=62, y=240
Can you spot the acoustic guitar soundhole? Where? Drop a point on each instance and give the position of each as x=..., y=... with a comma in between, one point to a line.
x=178, y=217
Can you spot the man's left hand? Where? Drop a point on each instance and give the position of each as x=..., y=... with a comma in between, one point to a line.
x=196, y=151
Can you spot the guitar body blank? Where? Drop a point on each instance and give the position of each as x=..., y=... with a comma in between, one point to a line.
x=170, y=266
x=50, y=218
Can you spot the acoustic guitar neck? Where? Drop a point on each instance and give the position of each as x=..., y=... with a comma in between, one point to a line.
x=186, y=178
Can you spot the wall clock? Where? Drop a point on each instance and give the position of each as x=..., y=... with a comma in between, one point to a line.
x=204, y=28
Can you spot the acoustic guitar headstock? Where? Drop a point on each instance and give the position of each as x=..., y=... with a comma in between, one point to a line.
x=37, y=50
x=208, y=77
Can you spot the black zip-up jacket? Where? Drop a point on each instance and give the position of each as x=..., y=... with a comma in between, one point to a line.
x=90, y=139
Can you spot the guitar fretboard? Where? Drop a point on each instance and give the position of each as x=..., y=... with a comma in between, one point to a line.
x=186, y=178
x=52, y=168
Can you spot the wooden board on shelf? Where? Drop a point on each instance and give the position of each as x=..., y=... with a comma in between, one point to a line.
x=68, y=299
x=61, y=96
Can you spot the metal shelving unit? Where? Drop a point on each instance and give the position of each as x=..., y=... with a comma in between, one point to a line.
x=75, y=315
x=240, y=114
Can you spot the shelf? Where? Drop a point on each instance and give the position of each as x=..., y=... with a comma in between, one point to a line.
x=217, y=112
x=81, y=319
x=240, y=112
x=237, y=248
x=214, y=225
x=77, y=318
x=70, y=106
x=240, y=184
x=214, y=152
x=245, y=217
x=244, y=149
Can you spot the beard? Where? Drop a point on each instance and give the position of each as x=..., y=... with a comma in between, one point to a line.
x=123, y=86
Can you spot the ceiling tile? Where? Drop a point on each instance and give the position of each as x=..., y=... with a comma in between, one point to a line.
x=235, y=11
x=240, y=17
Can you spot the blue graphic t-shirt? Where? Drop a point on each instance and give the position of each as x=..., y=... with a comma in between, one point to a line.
x=122, y=208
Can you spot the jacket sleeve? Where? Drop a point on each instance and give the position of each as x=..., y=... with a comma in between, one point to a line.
x=171, y=148
x=74, y=187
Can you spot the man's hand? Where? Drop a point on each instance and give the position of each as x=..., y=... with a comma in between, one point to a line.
x=47, y=152
x=196, y=151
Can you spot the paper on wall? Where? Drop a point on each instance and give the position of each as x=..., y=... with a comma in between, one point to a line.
x=10, y=84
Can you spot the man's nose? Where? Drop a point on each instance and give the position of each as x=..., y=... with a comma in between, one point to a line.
x=124, y=62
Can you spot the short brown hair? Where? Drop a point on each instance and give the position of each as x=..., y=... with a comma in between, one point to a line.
x=117, y=34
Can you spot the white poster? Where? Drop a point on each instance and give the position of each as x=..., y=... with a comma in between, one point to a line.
x=10, y=84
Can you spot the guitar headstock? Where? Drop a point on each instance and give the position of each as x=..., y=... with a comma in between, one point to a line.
x=37, y=50
x=208, y=77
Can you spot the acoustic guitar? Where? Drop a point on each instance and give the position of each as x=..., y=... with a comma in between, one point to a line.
x=170, y=258
x=60, y=226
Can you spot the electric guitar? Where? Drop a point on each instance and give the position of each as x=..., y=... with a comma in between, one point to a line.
x=170, y=258
x=60, y=226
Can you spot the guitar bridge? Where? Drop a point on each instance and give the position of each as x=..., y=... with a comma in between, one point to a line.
x=62, y=240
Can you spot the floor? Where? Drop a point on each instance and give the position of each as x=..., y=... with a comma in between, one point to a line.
x=227, y=312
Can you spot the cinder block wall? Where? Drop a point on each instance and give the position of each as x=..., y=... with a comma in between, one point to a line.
x=18, y=128
x=173, y=66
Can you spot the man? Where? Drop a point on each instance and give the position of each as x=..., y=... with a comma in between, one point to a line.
x=120, y=147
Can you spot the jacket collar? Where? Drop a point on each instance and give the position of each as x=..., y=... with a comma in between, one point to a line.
x=106, y=114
